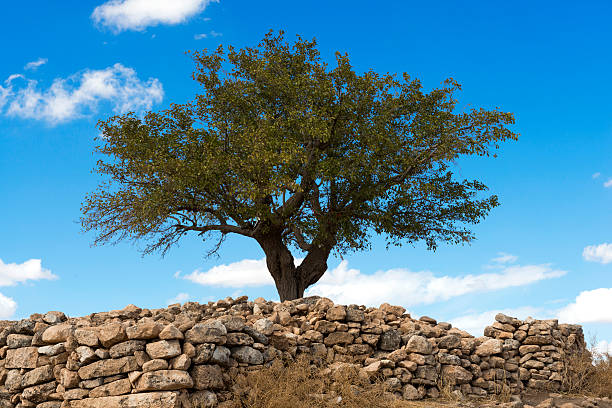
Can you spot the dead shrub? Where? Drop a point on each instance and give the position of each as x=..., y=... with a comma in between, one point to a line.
x=300, y=384
x=588, y=372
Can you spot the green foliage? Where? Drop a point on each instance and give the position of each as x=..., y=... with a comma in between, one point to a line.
x=279, y=141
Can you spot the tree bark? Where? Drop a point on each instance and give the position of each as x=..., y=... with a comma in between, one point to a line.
x=292, y=281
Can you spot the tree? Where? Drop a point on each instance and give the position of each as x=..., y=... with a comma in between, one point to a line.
x=282, y=149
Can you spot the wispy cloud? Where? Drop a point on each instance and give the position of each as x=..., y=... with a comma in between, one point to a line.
x=596, y=175
x=204, y=35
x=408, y=288
x=81, y=94
x=122, y=15
x=608, y=183
x=591, y=306
x=180, y=298
x=601, y=253
x=399, y=286
x=35, y=64
x=504, y=258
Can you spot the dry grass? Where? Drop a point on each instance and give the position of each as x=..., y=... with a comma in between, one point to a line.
x=302, y=385
x=588, y=373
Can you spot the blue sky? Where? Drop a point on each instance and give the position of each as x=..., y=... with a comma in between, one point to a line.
x=546, y=251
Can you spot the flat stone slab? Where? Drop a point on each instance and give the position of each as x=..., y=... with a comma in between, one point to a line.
x=143, y=400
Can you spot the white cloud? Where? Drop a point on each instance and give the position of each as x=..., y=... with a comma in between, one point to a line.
x=121, y=15
x=180, y=298
x=407, y=288
x=4, y=96
x=604, y=347
x=591, y=306
x=601, y=253
x=397, y=286
x=248, y=272
x=7, y=307
x=35, y=64
x=504, y=258
x=80, y=94
x=476, y=322
x=608, y=183
x=595, y=175
x=12, y=273
x=203, y=35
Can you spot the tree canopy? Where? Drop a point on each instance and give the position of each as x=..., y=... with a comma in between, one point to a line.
x=284, y=149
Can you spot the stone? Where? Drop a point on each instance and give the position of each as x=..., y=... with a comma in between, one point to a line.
x=336, y=313
x=163, y=349
x=86, y=337
x=154, y=365
x=203, y=353
x=38, y=393
x=246, y=354
x=170, y=332
x=18, y=340
x=398, y=355
x=54, y=317
x=119, y=387
x=220, y=356
x=85, y=355
x=182, y=362
x=52, y=350
x=338, y=338
x=57, y=334
x=354, y=315
x=105, y=368
x=454, y=374
x=489, y=347
x=264, y=326
x=164, y=380
x=449, y=342
x=37, y=376
x=207, y=377
x=530, y=348
x=204, y=399
x=426, y=372
x=390, y=340
x=26, y=357
x=126, y=348
x=238, y=339
x=47, y=404
x=146, y=330
x=538, y=339
x=418, y=344
x=233, y=323
x=256, y=335
x=209, y=332
x=75, y=394
x=111, y=334
x=410, y=393
x=143, y=400
x=68, y=379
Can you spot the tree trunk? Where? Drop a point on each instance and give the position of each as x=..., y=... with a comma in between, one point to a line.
x=291, y=282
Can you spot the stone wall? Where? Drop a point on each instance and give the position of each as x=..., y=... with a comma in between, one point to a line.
x=185, y=356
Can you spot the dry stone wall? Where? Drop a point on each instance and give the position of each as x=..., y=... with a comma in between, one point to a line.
x=186, y=356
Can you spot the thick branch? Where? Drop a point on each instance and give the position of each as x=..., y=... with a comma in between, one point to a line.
x=222, y=228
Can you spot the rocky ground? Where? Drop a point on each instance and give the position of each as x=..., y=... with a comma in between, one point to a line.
x=529, y=400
